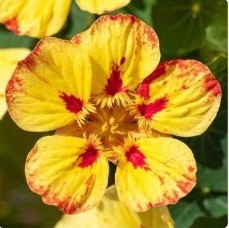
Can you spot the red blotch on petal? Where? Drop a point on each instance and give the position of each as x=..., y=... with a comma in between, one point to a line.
x=161, y=179
x=12, y=24
x=143, y=89
x=77, y=39
x=184, y=87
x=72, y=103
x=191, y=169
x=135, y=156
x=149, y=110
x=169, y=199
x=123, y=60
x=185, y=186
x=114, y=82
x=211, y=84
x=88, y=157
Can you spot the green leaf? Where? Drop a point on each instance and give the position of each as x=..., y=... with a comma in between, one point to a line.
x=216, y=206
x=11, y=40
x=206, y=222
x=214, y=179
x=184, y=213
x=77, y=22
x=19, y=206
x=14, y=147
x=141, y=9
x=181, y=25
x=216, y=33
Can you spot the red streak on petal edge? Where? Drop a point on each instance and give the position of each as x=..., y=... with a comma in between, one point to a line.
x=77, y=39
x=121, y=18
x=149, y=110
x=143, y=89
x=211, y=84
x=114, y=82
x=29, y=61
x=158, y=72
x=89, y=157
x=135, y=156
x=12, y=24
x=72, y=103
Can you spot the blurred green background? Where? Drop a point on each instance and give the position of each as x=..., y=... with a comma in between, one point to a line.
x=194, y=29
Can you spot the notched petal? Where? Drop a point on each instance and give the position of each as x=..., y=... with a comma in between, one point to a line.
x=67, y=172
x=50, y=89
x=123, y=51
x=192, y=97
x=165, y=165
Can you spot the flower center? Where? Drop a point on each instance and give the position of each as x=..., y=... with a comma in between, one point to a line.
x=111, y=124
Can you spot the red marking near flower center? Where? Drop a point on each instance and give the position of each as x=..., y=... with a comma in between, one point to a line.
x=114, y=82
x=72, y=103
x=12, y=24
x=89, y=157
x=135, y=156
x=149, y=110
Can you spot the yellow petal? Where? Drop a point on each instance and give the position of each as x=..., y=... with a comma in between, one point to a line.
x=101, y=6
x=86, y=219
x=3, y=106
x=123, y=51
x=51, y=87
x=68, y=172
x=180, y=97
x=36, y=18
x=8, y=61
x=163, y=168
x=156, y=217
x=112, y=213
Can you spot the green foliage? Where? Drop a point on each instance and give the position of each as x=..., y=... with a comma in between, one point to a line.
x=186, y=29
x=181, y=25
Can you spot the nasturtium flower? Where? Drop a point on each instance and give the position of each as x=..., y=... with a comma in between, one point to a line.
x=112, y=213
x=9, y=58
x=38, y=18
x=110, y=100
